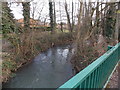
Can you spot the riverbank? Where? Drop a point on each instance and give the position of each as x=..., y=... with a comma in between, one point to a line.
x=89, y=51
x=31, y=44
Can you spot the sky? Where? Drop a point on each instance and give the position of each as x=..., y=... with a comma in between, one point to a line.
x=41, y=8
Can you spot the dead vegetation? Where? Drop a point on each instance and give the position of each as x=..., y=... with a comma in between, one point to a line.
x=30, y=45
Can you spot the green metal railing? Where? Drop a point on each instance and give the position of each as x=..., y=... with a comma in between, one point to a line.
x=96, y=74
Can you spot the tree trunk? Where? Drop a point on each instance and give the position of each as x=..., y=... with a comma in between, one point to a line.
x=118, y=23
x=97, y=18
x=68, y=17
x=26, y=15
x=72, y=16
x=61, y=24
x=54, y=18
x=51, y=16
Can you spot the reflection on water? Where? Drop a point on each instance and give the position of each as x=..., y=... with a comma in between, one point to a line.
x=48, y=70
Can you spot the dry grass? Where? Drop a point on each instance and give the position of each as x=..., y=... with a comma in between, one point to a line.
x=87, y=52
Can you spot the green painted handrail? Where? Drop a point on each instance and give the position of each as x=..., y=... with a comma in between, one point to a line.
x=97, y=73
x=109, y=47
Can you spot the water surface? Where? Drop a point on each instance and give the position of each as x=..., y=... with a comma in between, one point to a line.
x=49, y=69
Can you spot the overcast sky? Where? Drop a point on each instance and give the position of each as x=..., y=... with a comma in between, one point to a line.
x=42, y=9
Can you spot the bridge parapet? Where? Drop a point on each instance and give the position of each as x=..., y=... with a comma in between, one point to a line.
x=97, y=73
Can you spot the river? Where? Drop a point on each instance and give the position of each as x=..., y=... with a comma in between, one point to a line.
x=49, y=69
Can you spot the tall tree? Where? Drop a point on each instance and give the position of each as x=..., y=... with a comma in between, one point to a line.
x=79, y=23
x=51, y=16
x=61, y=24
x=54, y=17
x=26, y=15
x=118, y=18
x=8, y=24
x=97, y=18
x=68, y=16
x=72, y=16
x=110, y=21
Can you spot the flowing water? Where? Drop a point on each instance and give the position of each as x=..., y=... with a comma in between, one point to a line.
x=49, y=69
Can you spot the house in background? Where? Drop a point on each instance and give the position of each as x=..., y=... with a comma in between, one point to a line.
x=33, y=23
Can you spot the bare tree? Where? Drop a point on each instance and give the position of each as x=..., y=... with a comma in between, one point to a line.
x=61, y=24
x=97, y=17
x=79, y=23
x=72, y=15
x=68, y=17
x=54, y=17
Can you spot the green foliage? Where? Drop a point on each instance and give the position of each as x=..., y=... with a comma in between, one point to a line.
x=110, y=22
x=8, y=64
x=51, y=15
x=26, y=15
x=13, y=75
x=8, y=24
x=10, y=29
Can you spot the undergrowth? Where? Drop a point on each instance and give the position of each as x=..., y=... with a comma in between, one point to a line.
x=29, y=45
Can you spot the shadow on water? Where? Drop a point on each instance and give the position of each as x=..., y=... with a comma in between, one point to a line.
x=48, y=70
